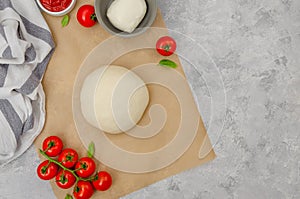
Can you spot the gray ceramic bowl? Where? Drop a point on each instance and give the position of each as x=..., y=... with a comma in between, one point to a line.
x=101, y=7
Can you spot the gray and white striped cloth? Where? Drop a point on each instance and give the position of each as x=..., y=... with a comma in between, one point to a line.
x=26, y=46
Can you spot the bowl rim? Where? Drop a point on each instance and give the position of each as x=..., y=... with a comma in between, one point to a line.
x=60, y=13
x=136, y=32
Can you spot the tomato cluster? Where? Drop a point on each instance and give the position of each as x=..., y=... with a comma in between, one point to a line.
x=68, y=170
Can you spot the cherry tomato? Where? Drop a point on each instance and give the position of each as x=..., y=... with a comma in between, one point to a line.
x=47, y=170
x=85, y=167
x=65, y=179
x=166, y=46
x=68, y=158
x=52, y=146
x=86, y=16
x=83, y=190
x=102, y=181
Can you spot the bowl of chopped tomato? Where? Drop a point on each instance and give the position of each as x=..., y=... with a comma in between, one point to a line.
x=56, y=7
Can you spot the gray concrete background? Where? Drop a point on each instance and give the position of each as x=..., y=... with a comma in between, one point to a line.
x=256, y=47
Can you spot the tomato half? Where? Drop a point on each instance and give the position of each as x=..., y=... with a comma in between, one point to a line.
x=65, y=179
x=47, y=170
x=102, y=181
x=68, y=157
x=86, y=16
x=166, y=46
x=85, y=167
x=83, y=190
x=52, y=146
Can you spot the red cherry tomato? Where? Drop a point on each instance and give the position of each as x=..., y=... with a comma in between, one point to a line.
x=166, y=46
x=85, y=167
x=86, y=16
x=65, y=179
x=47, y=170
x=83, y=190
x=68, y=158
x=102, y=181
x=52, y=146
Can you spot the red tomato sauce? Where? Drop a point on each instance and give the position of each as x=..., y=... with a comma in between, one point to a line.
x=56, y=5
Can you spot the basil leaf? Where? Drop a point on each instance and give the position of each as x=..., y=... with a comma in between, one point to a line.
x=91, y=150
x=168, y=63
x=68, y=196
x=65, y=21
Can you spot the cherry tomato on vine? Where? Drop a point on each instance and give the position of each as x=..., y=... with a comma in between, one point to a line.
x=52, y=146
x=166, y=46
x=68, y=157
x=65, y=179
x=85, y=167
x=86, y=16
x=47, y=170
x=83, y=190
x=102, y=181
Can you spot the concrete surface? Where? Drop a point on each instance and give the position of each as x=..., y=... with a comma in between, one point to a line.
x=256, y=47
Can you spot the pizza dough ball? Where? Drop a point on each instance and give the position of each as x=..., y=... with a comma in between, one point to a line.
x=113, y=99
x=126, y=15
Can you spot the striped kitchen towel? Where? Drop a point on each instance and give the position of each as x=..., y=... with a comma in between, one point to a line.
x=26, y=46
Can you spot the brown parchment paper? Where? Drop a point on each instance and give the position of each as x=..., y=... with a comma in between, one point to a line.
x=73, y=44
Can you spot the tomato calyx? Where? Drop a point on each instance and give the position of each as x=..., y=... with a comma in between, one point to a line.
x=166, y=47
x=93, y=17
x=96, y=177
x=77, y=189
x=50, y=145
x=44, y=168
x=83, y=166
x=69, y=157
x=62, y=179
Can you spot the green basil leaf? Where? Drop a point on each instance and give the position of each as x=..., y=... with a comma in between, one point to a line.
x=91, y=150
x=168, y=63
x=65, y=20
x=68, y=196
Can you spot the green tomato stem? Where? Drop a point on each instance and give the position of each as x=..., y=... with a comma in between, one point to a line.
x=93, y=17
x=51, y=144
x=167, y=47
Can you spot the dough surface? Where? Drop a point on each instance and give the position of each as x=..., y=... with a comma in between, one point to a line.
x=113, y=99
x=126, y=15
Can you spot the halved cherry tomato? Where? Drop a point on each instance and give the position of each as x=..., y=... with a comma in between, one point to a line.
x=102, y=181
x=47, y=170
x=85, y=167
x=68, y=158
x=83, y=190
x=86, y=16
x=65, y=179
x=52, y=146
x=166, y=46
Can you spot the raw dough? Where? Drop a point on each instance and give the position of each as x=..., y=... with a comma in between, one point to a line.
x=126, y=15
x=113, y=99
